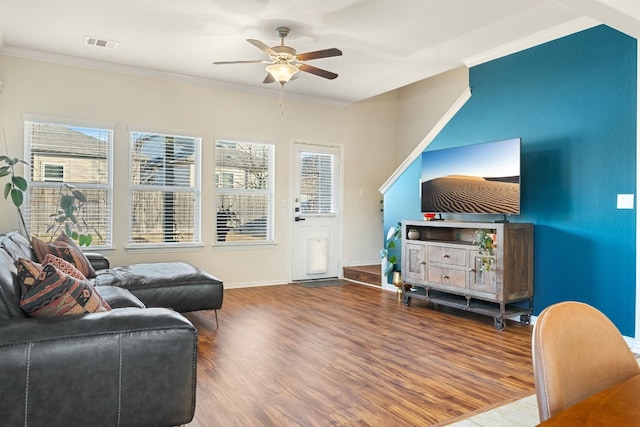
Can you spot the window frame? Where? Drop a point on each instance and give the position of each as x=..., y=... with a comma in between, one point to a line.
x=107, y=240
x=268, y=192
x=57, y=166
x=196, y=190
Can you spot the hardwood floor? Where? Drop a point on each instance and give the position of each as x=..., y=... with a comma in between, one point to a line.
x=351, y=355
x=369, y=274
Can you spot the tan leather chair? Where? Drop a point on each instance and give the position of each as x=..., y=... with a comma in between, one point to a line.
x=577, y=351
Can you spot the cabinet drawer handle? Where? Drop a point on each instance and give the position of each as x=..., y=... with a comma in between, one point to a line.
x=445, y=255
x=422, y=262
x=444, y=276
x=473, y=270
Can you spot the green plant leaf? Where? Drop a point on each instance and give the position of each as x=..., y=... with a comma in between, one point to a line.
x=3, y=158
x=4, y=171
x=7, y=189
x=17, y=197
x=85, y=240
x=67, y=230
x=19, y=182
x=393, y=259
x=79, y=195
x=388, y=268
x=74, y=235
x=67, y=202
x=391, y=244
x=69, y=211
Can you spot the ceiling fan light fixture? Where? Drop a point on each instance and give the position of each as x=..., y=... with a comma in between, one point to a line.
x=282, y=72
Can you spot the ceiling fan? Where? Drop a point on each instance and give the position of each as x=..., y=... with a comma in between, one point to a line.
x=285, y=62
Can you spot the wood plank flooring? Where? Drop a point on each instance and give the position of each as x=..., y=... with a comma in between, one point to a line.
x=369, y=274
x=351, y=355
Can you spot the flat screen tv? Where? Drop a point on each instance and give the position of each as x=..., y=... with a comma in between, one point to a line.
x=472, y=179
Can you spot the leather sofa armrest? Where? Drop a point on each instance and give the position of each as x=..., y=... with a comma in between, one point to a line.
x=97, y=260
x=127, y=366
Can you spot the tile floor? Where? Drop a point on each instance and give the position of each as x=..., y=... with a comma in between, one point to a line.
x=521, y=413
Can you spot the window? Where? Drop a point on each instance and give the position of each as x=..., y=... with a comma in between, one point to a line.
x=317, y=192
x=244, y=191
x=79, y=155
x=53, y=172
x=164, y=189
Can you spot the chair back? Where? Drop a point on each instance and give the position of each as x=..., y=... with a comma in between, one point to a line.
x=577, y=351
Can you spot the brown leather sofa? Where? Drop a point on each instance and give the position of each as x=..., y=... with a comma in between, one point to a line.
x=134, y=365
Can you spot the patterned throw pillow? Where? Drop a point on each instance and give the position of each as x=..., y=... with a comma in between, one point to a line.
x=64, y=266
x=55, y=293
x=65, y=248
x=28, y=272
x=68, y=268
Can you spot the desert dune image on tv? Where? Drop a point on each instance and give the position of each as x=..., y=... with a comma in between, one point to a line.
x=479, y=178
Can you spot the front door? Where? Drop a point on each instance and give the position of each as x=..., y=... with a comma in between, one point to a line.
x=316, y=190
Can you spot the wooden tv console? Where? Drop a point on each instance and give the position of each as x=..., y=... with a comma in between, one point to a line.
x=442, y=265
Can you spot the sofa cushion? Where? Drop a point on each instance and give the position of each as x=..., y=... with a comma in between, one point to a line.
x=9, y=287
x=55, y=293
x=119, y=297
x=16, y=245
x=65, y=248
x=175, y=285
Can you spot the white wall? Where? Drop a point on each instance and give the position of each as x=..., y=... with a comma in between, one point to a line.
x=370, y=159
x=368, y=131
x=422, y=104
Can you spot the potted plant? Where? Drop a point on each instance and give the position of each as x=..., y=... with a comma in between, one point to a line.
x=485, y=242
x=389, y=263
x=69, y=216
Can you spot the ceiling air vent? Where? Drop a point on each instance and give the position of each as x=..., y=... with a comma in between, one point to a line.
x=96, y=41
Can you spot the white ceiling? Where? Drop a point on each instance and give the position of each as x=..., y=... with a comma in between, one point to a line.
x=386, y=44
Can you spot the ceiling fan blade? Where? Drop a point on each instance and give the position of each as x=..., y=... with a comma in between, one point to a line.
x=263, y=47
x=255, y=61
x=317, y=71
x=269, y=79
x=325, y=53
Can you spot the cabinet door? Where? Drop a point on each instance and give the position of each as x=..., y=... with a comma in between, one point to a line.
x=481, y=279
x=414, y=265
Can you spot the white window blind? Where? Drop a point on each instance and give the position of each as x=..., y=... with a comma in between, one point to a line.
x=164, y=189
x=317, y=185
x=244, y=191
x=81, y=157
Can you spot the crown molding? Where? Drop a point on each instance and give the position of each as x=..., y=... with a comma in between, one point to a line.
x=524, y=43
x=36, y=55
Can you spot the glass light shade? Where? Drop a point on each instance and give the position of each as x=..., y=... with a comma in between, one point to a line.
x=282, y=72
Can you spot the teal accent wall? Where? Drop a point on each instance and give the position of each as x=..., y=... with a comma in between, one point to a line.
x=573, y=103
